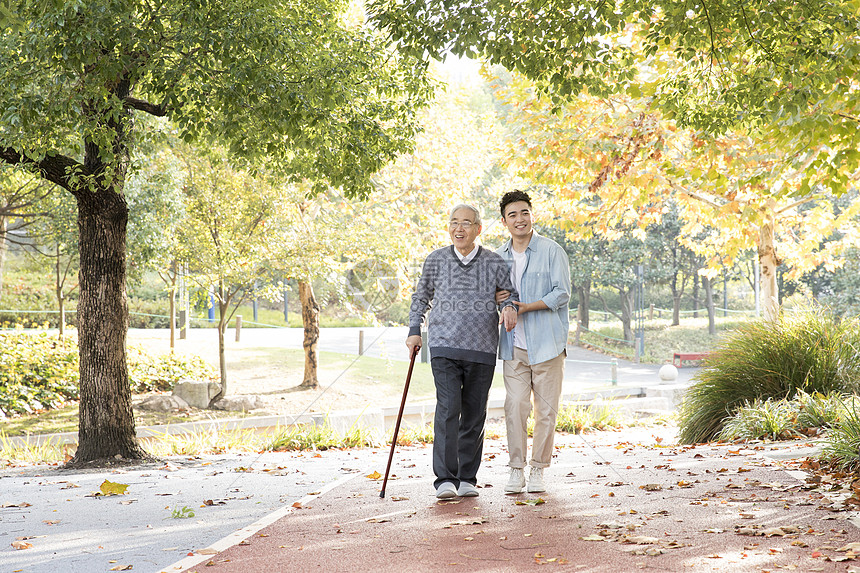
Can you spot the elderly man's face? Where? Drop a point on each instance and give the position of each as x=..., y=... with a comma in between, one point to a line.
x=463, y=230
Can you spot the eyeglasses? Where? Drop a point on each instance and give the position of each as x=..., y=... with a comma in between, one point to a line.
x=465, y=225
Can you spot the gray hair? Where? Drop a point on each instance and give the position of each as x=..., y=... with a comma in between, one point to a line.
x=472, y=208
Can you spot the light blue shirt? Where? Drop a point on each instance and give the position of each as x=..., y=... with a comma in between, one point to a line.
x=547, y=278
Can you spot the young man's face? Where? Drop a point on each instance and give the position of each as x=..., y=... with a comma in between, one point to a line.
x=518, y=219
x=463, y=230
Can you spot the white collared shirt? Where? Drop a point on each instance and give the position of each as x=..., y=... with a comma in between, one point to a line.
x=466, y=259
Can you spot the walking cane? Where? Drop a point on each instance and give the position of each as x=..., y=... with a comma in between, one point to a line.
x=415, y=350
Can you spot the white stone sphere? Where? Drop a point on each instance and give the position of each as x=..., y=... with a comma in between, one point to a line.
x=668, y=373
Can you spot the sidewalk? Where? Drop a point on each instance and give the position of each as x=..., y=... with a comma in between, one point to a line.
x=617, y=501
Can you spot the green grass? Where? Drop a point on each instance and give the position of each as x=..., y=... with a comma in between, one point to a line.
x=267, y=317
x=661, y=339
x=595, y=416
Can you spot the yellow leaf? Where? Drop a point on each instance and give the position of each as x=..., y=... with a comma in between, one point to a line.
x=113, y=488
x=374, y=475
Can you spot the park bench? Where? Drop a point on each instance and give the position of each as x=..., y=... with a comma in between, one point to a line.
x=678, y=358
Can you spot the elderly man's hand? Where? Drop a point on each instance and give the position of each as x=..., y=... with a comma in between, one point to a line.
x=509, y=317
x=412, y=342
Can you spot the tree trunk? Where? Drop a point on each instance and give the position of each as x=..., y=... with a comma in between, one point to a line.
x=222, y=357
x=311, y=322
x=172, y=318
x=627, y=311
x=106, y=422
x=768, y=260
x=58, y=288
x=4, y=228
x=676, y=309
x=584, y=291
x=708, y=286
x=171, y=287
x=695, y=294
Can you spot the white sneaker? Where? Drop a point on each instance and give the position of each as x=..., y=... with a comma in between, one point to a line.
x=467, y=490
x=536, y=480
x=446, y=490
x=516, y=482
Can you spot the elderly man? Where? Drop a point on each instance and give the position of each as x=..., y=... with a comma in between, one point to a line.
x=458, y=285
x=535, y=350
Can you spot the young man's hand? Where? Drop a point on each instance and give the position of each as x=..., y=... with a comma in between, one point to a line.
x=502, y=296
x=530, y=306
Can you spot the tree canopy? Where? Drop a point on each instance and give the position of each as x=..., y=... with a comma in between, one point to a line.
x=304, y=87
x=761, y=65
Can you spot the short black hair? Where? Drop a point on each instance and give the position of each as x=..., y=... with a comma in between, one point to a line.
x=513, y=197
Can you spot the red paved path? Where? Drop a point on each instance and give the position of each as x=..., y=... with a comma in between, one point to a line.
x=691, y=502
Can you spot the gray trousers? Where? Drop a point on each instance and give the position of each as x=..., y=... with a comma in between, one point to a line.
x=462, y=390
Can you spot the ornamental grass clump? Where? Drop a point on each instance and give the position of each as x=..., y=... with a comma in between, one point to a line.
x=762, y=419
x=806, y=352
x=842, y=446
x=598, y=415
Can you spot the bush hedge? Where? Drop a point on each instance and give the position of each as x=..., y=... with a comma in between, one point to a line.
x=39, y=371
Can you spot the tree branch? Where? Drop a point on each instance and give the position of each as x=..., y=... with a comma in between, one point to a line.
x=143, y=105
x=53, y=168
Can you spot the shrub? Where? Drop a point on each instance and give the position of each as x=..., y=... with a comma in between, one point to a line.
x=806, y=351
x=37, y=372
x=143, y=313
x=152, y=373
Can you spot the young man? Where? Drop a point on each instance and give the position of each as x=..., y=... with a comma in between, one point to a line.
x=458, y=285
x=534, y=351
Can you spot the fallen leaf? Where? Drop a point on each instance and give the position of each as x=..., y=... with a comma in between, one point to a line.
x=537, y=501
x=651, y=487
x=207, y=551
x=374, y=475
x=113, y=488
x=21, y=545
x=474, y=521
x=593, y=537
x=122, y=568
x=641, y=540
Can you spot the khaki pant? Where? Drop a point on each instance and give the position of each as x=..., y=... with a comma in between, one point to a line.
x=521, y=381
